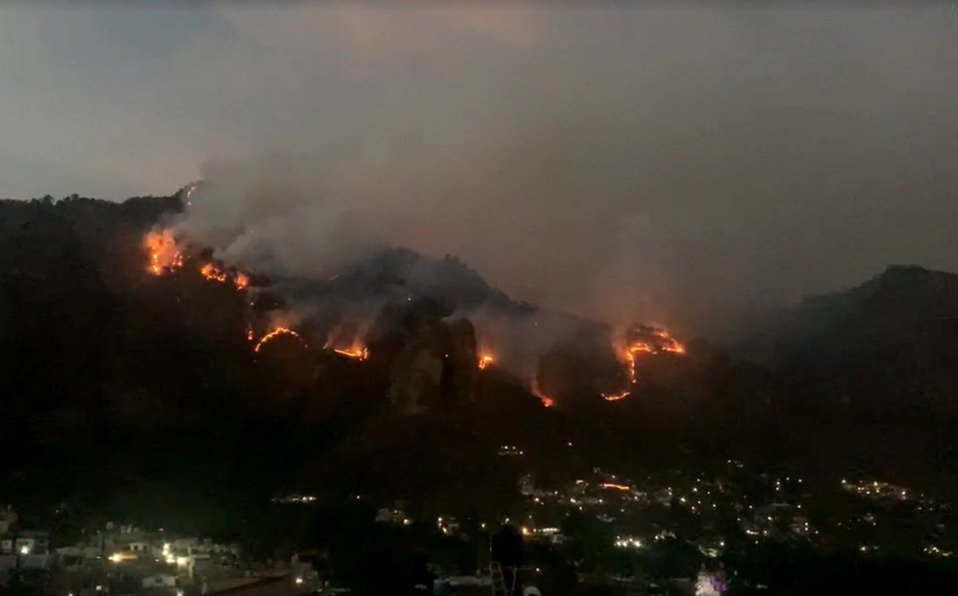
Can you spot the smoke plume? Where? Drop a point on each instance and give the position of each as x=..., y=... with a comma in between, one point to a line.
x=624, y=164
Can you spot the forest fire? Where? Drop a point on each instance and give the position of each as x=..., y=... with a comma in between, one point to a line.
x=484, y=361
x=274, y=334
x=643, y=339
x=212, y=272
x=545, y=399
x=355, y=353
x=615, y=396
x=164, y=254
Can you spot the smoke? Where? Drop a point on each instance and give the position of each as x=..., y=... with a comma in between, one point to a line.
x=667, y=166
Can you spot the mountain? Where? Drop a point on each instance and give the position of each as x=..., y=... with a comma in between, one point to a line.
x=126, y=381
x=891, y=339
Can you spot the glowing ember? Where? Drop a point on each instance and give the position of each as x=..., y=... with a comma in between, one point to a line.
x=249, y=334
x=188, y=192
x=621, y=487
x=484, y=361
x=642, y=339
x=274, y=334
x=212, y=272
x=357, y=353
x=163, y=251
x=615, y=396
x=546, y=400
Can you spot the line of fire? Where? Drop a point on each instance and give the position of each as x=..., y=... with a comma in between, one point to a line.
x=269, y=330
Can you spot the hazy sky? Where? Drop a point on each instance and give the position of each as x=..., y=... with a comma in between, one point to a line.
x=616, y=161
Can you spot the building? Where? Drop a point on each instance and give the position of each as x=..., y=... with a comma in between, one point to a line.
x=26, y=542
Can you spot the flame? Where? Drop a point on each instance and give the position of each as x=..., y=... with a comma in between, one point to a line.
x=546, y=400
x=616, y=396
x=615, y=486
x=164, y=254
x=357, y=353
x=212, y=272
x=649, y=340
x=484, y=361
x=275, y=333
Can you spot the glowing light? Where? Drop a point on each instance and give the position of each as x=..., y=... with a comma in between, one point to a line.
x=355, y=353
x=615, y=486
x=545, y=399
x=615, y=396
x=274, y=334
x=648, y=340
x=190, y=189
x=484, y=361
x=164, y=255
x=25, y=550
x=213, y=273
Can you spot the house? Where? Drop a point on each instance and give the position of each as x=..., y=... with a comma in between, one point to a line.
x=139, y=547
x=26, y=542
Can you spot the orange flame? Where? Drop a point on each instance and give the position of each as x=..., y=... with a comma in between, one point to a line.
x=546, y=400
x=163, y=251
x=356, y=353
x=651, y=341
x=275, y=333
x=213, y=273
x=616, y=396
x=484, y=361
x=615, y=486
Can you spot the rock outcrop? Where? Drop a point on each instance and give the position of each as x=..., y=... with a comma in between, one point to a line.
x=433, y=363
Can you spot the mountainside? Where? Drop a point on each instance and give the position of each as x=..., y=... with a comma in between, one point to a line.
x=890, y=339
x=137, y=368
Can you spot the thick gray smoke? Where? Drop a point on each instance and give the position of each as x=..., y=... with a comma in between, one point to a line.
x=670, y=166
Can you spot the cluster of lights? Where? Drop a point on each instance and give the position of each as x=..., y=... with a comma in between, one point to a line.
x=510, y=450
x=295, y=499
x=876, y=489
x=628, y=542
x=937, y=552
